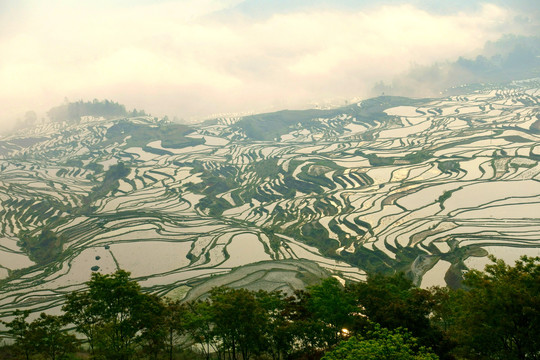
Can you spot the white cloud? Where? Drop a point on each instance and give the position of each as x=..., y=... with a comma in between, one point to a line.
x=242, y=64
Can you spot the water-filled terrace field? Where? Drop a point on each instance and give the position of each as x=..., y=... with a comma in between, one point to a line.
x=426, y=186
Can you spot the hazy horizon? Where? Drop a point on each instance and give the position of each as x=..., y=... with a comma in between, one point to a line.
x=195, y=59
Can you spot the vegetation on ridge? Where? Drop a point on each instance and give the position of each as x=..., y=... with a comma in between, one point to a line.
x=73, y=111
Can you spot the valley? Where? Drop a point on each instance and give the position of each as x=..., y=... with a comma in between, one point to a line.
x=275, y=201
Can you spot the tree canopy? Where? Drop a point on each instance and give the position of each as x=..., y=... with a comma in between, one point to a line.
x=72, y=111
x=381, y=344
x=495, y=316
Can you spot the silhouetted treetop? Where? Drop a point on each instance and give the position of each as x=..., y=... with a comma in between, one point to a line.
x=72, y=111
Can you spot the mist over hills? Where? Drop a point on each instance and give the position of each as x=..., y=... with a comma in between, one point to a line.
x=509, y=58
x=192, y=59
x=275, y=200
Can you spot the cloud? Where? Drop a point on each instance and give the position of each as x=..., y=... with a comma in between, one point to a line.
x=509, y=58
x=187, y=58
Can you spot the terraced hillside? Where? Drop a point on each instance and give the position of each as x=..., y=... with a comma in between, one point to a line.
x=272, y=201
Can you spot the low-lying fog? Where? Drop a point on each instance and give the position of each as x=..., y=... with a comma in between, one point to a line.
x=195, y=59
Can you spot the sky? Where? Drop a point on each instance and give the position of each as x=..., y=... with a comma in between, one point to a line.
x=197, y=59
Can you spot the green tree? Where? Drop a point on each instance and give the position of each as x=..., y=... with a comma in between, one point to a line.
x=19, y=330
x=175, y=323
x=303, y=333
x=45, y=336
x=153, y=333
x=80, y=310
x=394, y=302
x=381, y=344
x=498, y=315
x=200, y=326
x=278, y=339
x=239, y=321
x=165, y=323
x=331, y=304
x=49, y=337
x=112, y=313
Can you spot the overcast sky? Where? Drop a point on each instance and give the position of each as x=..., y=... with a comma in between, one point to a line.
x=197, y=58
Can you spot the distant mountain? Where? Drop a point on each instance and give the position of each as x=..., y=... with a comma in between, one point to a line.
x=509, y=58
x=273, y=201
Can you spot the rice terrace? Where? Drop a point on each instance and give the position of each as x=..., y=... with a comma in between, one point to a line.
x=272, y=201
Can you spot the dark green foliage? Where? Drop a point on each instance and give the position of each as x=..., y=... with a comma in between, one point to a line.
x=411, y=158
x=520, y=165
x=271, y=126
x=111, y=313
x=381, y=344
x=109, y=183
x=316, y=235
x=73, y=111
x=535, y=126
x=171, y=135
x=239, y=321
x=44, y=336
x=276, y=327
x=49, y=338
x=446, y=195
x=153, y=325
x=267, y=168
x=375, y=160
x=334, y=307
x=394, y=302
x=95, y=167
x=374, y=261
x=317, y=180
x=173, y=324
x=214, y=206
x=74, y=163
x=200, y=326
x=448, y=166
x=498, y=315
x=19, y=330
x=275, y=241
x=27, y=142
x=516, y=139
x=304, y=334
x=240, y=324
x=43, y=248
x=156, y=151
x=116, y=172
x=135, y=113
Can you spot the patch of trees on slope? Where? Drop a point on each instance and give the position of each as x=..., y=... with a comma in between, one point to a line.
x=72, y=111
x=495, y=316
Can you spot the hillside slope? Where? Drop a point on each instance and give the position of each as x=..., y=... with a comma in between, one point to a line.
x=429, y=187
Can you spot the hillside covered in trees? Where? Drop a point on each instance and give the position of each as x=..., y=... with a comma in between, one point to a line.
x=73, y=111
x=495, y=316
